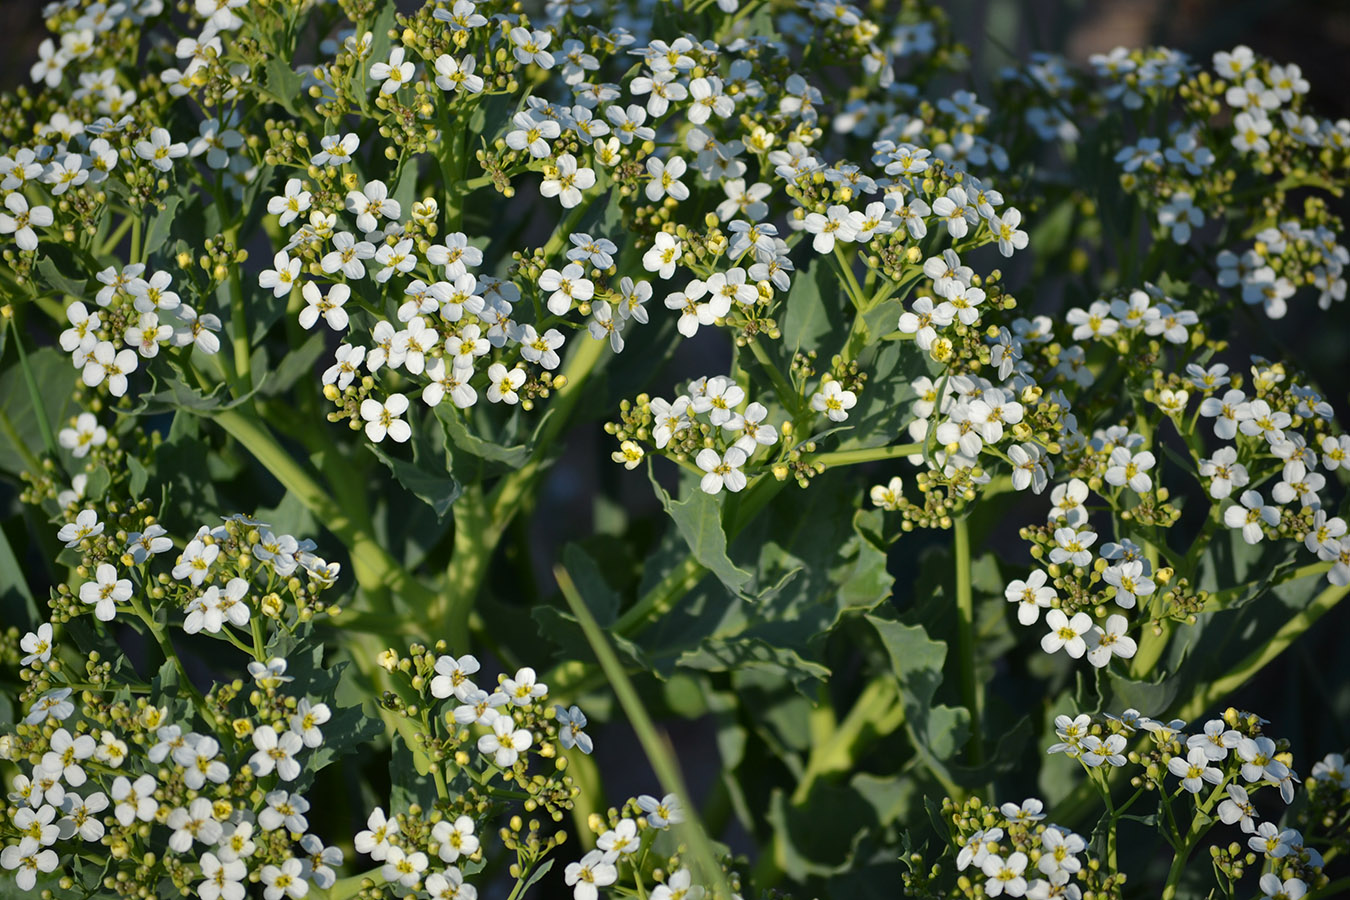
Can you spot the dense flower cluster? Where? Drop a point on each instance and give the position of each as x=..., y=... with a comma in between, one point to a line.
x=238, y=219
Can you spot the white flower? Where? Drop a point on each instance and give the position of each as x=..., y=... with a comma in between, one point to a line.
x=1072, y=545
x=661, y=813
x=394, y=73
x=594, y=871
x=834, y=401
x=347, y=255
x=1250, y=129
x=290, y=204
x=722, y=470
x=105, y=592
x=1195, y=770
x=1059, y=853
x=329, y=306
x=307, y=719
x=665, y=179
x=1237, y=808
x=1224, y=471
x=449, y=885
x=276, y=751
x=37, y=644
x=222, y=880
x=1179, y=215
x=457, y=76
x=454, y=839
x=1289, y=889
x=1130, y=582
x=532, y=132
x=1110, y=640
x=1010, y=236
x=347, y=363
x=523, y=689
x=528, y=47
x=503, y=384
x=570, y=725
x=29, y=859
x=977, y=848
x=568, y=286
x=1250, y=515
x=86, y=525
x=336, y=149
x=1066, y=633
x=371, y=204
x=566, y=181
x=836, y=224
x=85, y=434
x=664, y=255
x=192, y=823
x=281, y=279
x=374, y=841
x=1005, y=875
x=383, y=418
x=1031, y=596
x=506, y=742
x=284, y=809
x=134, y=800
x=160, y=151
x=286, y=880
x=107, y=363
x=678, y=886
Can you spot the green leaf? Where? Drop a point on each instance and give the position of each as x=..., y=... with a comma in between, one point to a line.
x=161, y=226
x=174, y=394
x=810, y=835
x=535, y=876
x=428, y=476
x=408, y=783
x=16, y=600
x=471, y=443
x=138, y=477
x=699, y=520
x=285, y=83
x=272, y=381
x=405, y=191
x=97, y=485
x=815, y=314
x=20, y=429
x=740, y=653
x=917, y=662
x=51, y=273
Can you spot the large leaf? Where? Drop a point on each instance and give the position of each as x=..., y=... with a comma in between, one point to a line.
x=472, y=444
x=428, y=476
x=19, y=429
x=817, y=310
x=698, y=518
x=917, y=661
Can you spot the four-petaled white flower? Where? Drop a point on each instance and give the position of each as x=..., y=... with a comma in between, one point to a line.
x=394, y=73
x=723, y=470
x=382, y=419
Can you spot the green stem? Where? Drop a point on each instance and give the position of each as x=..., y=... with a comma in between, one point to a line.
x=1206, y=695
x=875, y=714
x=787, y=394
x=473, y=551
x=170, y=655
x=375, y=569
x=972, y=691
x=657, y=749
x=867, y=454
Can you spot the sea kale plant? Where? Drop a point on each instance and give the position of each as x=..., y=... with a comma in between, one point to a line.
x=385, y=390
